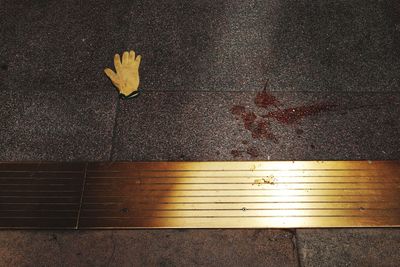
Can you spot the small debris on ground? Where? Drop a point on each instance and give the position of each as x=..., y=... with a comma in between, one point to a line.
x=267, y=180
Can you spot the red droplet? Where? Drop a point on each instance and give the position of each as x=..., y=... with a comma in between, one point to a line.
x=238, y=110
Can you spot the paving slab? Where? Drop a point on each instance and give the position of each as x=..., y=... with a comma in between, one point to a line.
x=307, y=46
x=62, y=46
x=66, y=126
x=336, y=45
x=153, y=31
x=349, y=247
x=230, y=126
x=204, y=45
x=148, y=248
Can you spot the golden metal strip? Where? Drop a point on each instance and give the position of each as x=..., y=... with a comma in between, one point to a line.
x=201, y=194
x=240, y=165
x=242, y=194
x=40, y=194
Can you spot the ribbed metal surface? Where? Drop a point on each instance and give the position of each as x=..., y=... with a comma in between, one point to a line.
x=40, y=195
x=241, y=194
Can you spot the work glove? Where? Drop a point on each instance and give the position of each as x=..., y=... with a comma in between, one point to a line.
x=126, y=78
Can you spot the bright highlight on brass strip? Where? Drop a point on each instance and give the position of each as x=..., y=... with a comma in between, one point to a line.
x=242, y=194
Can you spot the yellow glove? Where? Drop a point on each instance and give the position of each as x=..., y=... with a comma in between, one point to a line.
x=126, y=78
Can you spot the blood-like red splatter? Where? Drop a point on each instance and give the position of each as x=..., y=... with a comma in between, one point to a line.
x=238, y=110
x=293, y=115
x=236, y=153
x=261, y=131
x=259, y=126
x=248, y=117
x=264, y=99
x=253, y=152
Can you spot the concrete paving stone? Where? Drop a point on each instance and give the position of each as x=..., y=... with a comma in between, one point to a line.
x=148, y=248
x=224, y=44
x=204, y=45
x=62, y=45
x=68, y=44
x=65, y=126
x=336, y=46
x=201, y=126
x=349, y=247
x=302, y=45
x=154, y=32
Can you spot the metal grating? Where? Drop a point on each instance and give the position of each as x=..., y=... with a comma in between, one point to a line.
x=241, y=194
x=40, y=195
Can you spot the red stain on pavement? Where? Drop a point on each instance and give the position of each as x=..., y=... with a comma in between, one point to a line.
x=264, y=99
x=259, y=129
x=253, y=152
x=259, y=125
x=236, y=153
x=238, y=110
x=248, y=117
x=248, y=120
x=294, y=115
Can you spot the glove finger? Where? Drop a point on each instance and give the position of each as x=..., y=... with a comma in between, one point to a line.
x=132, y=56
x=117, y=63
x=138, y=59
x=125, y=58
x=112, y=75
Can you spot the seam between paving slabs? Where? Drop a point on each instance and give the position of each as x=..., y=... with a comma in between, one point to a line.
x=271, y=90
x=299, y=263
x=82, y=193
x=111, y=156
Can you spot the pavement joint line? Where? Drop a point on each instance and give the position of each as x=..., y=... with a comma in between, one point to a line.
x=113, y=136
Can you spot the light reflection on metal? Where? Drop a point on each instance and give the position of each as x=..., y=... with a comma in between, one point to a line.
x=242, y=194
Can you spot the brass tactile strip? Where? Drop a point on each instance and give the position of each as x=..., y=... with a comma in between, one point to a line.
x=40, y=195
x=200, y=194
x=242, y=194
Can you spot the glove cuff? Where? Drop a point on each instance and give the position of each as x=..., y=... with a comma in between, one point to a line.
x=132, y=95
